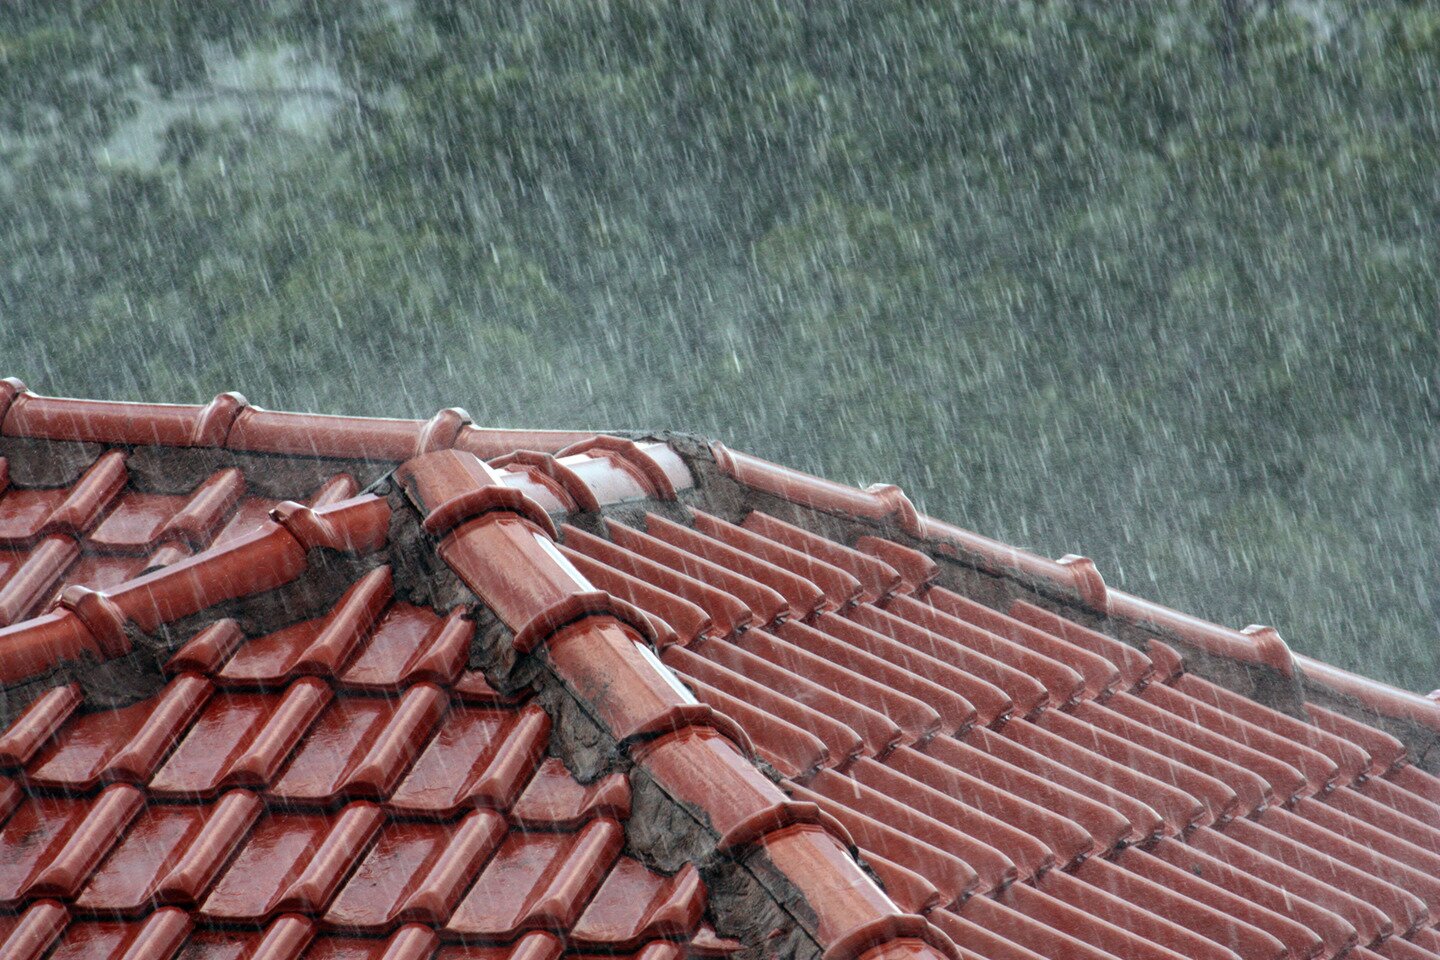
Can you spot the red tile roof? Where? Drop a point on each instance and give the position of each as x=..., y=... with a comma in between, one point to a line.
x=282, y=685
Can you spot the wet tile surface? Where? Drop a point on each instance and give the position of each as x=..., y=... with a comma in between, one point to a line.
x=347, y=787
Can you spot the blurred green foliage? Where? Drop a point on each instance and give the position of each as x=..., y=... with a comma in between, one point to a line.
x=1148, y=281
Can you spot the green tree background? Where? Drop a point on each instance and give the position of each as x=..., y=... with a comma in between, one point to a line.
x=1155, y=282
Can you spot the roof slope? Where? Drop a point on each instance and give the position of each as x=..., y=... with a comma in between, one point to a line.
x=602, y=695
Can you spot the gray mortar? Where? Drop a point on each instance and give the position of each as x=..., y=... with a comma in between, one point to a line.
x=47, y=463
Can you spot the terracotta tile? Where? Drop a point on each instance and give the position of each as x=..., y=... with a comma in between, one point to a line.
x=802, y=596
x=135, y=523
x=992, y=704
x=205, y=652
x=377, y=699
x=248, y=565
x=159, y=937
x=791, y=749
x=878, y=731
x=550, y=484
x=1283, y=780
x=766, y=603
x=1368, y=920
x=727, y=612
x=840, y=587
x=124, y=744
x=24, y=510
x=476, y=756
x=292, y=862
x=409, y=645
x=317, y=647
x=222, y=945
x=1026, y=693
x=910, y=890
x=1219, y=800
x=842, y=743
x=1387, y=859
x=49, y=845
x=1244, y=913
x=1352, y=761
x=654, y=466
x=982, y=943
x=1063, y=684
x=1424, y=785
x=635, y=904
x=311, y=435
x=411, y=942
x=1135, y=668
x=699, y=767
x=1405, y=910
x=170, y=854
x=62, y=418
x=917, y=720
x=1334, y=929
x=29, y=576
x=1319, y=770
x=844, y=901
x=1178, y=810
x=360, y=746
x=876, y=577
x=1159, y=915
x=92, y=494
x=538, y=881
x=1187, y=747
x=1110, y=938
x=688, y=620
x=555, y=800
x=1398, y=949
x=103, y=571
x=416, y=872
x=877, y=820
x=1385, y=751
x=32, y=646
x=240, y=739
x=956, y=714
x=1102, y=675
x=538, y=945
x=195, y=523
x=915, y=568
x=1382, y=804
x=34, y=727
x=1106, y=825
x=1032, y=836
x=33, y=933
x=251, y=515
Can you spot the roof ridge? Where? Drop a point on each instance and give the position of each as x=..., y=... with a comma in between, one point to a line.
x=231, y=422
x=502, y=549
